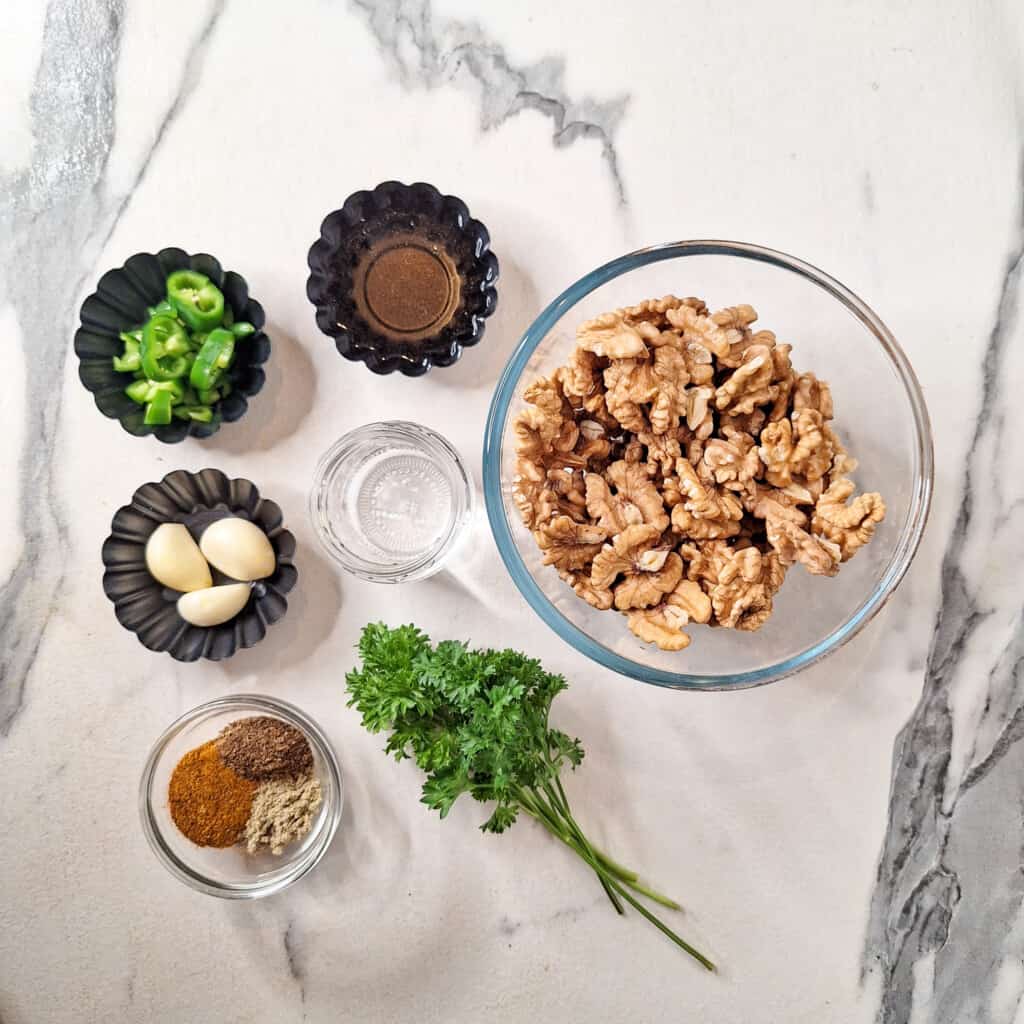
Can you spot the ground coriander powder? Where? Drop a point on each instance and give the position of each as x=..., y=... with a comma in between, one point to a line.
x=282, y=812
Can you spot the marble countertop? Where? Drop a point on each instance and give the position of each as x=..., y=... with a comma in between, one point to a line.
x=847, y=842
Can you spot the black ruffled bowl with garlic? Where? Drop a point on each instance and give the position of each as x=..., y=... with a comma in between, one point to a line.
x=151, y=610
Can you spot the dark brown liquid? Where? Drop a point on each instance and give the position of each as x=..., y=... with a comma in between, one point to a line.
x=406, y=286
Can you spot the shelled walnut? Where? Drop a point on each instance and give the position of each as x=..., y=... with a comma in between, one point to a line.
x=677, y=465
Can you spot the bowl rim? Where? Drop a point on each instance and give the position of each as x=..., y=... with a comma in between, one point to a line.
x=906, y=547
x=241, y=891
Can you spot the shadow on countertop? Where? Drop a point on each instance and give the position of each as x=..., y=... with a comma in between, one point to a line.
x=482, y=365
x=314, y=606
x=277, y=411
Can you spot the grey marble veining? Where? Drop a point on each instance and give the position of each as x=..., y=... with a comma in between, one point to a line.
x=292, y=953
x=50, y=213
x=55, y=216
x=429, y=50
x=192, y=69
x=948, y=901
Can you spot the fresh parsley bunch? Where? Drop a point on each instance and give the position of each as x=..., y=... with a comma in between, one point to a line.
x=476, y=721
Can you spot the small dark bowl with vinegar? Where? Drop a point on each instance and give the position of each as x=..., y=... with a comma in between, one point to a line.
x=402, y=278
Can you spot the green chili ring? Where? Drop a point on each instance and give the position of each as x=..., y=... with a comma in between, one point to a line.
x=164, y=342
x=198, y=301
x=212, y=359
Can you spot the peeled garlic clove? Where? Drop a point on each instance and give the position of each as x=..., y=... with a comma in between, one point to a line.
x=214, y=605
x=173, y=559
x=239, y=549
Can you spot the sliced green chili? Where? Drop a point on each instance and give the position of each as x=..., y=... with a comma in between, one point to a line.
x=180, y=356
x=158, y=409
x=137, y=391
x=131, y=359
x=178, y=345
x=162, y=308
x=213, y=359
x=143, y=390
x=199, y=413
x=198, y=301
x=164, y=342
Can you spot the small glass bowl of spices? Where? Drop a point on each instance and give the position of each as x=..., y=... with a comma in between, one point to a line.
x=241, y=796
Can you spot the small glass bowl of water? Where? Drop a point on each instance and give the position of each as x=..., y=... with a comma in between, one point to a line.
x=389, y=501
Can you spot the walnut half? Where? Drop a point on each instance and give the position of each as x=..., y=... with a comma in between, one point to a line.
x=663, y=624
x=850, y=526
x=645, y=572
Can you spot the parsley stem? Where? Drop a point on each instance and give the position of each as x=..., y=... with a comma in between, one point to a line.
x=537, y=809
x=664, y=928
x=617, y=869
x=560, y=805
x=533, y=806
x=581, y=839
x=631, y=878
x=653, y=894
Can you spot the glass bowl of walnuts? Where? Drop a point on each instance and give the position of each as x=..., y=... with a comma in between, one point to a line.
x=707, y=465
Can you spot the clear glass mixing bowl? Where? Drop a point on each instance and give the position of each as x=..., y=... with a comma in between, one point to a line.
x=880, y=415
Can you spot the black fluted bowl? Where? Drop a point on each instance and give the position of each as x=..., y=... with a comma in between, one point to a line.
x=148, y=608
x=369, y=216
x=119, y=304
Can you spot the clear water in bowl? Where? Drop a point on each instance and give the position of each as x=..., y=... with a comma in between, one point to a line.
x=398, y=503
x=390, y=500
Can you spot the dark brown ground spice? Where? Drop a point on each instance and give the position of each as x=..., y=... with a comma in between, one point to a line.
x=209, y=802
x=263, y=748
x=409, y=288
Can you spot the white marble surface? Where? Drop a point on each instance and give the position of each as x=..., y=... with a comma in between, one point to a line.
x=848, y=849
